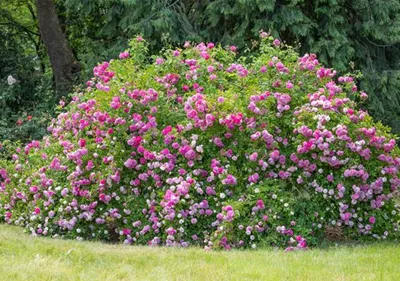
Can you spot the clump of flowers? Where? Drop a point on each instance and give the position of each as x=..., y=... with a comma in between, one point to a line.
x=199, y=147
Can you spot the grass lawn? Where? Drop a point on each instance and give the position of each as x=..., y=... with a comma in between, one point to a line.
x=23, y=257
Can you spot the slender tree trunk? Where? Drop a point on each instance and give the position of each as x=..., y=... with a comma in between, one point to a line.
x=65, y=66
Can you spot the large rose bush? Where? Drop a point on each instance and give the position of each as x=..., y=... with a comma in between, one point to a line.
x=200, y=147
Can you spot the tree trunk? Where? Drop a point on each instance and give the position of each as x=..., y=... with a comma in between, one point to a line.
x=65, y=66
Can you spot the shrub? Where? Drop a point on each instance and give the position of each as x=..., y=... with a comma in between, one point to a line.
x=200, y=147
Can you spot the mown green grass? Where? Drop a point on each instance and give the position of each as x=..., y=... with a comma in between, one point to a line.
x=23, y=257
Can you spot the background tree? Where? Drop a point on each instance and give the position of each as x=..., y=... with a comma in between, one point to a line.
x=65, y=67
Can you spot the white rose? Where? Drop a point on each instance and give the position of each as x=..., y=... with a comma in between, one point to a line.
x=11, y=80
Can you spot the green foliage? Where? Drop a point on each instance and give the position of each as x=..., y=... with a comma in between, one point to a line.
x=27, y=104
x=385, y=101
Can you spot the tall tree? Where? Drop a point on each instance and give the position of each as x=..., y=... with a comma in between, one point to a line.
x=65, y=66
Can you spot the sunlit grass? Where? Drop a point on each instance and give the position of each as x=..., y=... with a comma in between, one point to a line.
x=23, y=257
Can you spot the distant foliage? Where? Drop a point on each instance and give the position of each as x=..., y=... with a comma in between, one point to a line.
x=199, y=147
x=26, y=95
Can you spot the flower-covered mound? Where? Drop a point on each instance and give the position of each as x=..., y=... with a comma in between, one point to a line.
x=200, y=147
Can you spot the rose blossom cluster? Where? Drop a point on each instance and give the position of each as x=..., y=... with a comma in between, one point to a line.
x=198, y=149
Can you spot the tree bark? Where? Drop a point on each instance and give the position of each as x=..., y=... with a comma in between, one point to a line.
x=63, y=62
